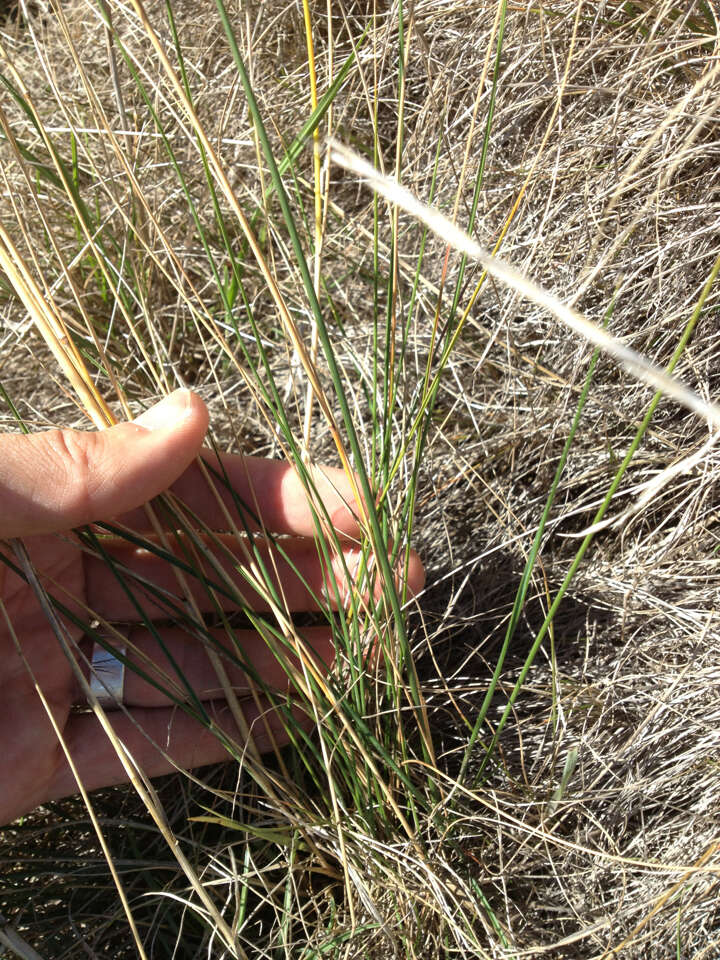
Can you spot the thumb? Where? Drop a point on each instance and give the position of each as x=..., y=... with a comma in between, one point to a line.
x=53, y=481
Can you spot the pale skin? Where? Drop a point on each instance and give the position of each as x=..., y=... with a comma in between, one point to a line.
x=53, y=482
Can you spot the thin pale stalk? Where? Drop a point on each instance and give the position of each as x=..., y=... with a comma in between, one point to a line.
x=633, y=361
x=133, y=772
x=587, y=540
x=317, y=197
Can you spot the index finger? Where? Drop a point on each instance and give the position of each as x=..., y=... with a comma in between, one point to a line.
x=255, y=492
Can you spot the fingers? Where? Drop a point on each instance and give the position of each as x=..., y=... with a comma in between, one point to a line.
x=184, y=660
x=270, y=491
x=300, y=576
x=160, y=740
x=60, y=479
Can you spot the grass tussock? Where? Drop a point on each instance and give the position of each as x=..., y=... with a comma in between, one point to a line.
x=530, y=767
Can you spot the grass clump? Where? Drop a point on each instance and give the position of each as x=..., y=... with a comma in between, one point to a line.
x=528, y=764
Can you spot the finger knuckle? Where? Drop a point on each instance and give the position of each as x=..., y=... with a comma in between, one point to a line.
x=72, y=452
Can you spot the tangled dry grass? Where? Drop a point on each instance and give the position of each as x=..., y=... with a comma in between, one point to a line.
x=597, y=835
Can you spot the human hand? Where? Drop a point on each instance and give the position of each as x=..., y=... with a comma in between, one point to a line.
x=53, y=482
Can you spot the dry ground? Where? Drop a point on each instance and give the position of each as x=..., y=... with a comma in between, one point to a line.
x=607, y=127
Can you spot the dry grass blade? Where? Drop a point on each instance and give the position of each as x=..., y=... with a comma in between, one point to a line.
x=221, y=175
x=615, y=951
x=26, y=565
x=134, y=774
x=53, y=330
x=583, y=140
x=441, y=225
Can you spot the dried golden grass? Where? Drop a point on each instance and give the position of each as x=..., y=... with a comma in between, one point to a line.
x=602, y=175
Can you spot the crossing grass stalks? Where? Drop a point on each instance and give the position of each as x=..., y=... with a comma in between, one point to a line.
x=528, y=766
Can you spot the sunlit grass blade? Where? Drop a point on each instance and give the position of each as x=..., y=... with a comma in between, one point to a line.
x=588, y=539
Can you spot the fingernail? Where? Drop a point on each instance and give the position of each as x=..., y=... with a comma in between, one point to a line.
x=171, y=411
